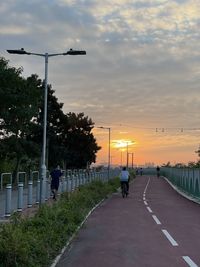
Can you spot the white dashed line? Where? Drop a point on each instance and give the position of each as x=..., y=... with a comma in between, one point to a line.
x=146, y=186
x=156, y=219
x=170, y=238
x=149, y=209
x=189, y=261
x=145, y=203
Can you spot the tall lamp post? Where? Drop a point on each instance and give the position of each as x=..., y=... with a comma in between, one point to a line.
x=131, y=153
x=46, y=57
x=107, y=128
x=127, y=154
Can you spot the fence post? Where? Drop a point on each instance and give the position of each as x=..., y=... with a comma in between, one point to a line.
x=25, y=177
x=2, y=175
x=20, y=197
x=47, y=190
x=72, y=181
x=30, y=194
x=8, y=200
x=67, y=177
x=38, y=192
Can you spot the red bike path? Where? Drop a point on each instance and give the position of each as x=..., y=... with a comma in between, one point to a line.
x=153, y=227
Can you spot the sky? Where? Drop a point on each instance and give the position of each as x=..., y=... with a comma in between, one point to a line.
x=140, y=77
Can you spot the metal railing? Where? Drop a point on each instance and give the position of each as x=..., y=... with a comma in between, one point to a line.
x=185, y=179
x=28, y=187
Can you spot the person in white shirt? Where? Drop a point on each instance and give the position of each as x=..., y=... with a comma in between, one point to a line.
x=124, y=177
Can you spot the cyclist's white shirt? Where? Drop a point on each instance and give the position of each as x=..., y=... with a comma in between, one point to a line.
x=124, y=175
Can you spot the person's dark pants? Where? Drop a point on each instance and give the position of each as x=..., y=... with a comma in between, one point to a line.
x=127, y=184
x=54, y=189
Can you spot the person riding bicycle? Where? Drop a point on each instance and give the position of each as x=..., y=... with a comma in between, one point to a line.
x=124, y=178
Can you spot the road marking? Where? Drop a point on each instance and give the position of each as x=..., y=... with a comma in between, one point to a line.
x=146, y=186
x=189, y=261
x=149, y=209
x=145, y=203
x=144, y=198
x=156, y=219
x=170, y=238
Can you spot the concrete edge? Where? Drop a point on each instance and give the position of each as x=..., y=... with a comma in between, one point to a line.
x=56, y=260
x=182, y=193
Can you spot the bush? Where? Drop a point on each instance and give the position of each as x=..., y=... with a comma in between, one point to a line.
x=35, y=242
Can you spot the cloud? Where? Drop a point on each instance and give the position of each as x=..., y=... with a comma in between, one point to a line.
x=142, y=62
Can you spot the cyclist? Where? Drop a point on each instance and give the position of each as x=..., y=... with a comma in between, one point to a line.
x=124, y=178
x=158, y=171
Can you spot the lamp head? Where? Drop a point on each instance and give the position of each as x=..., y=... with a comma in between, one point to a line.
x=75, y=52
x=17, y=51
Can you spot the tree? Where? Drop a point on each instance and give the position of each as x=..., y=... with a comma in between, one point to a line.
x=19, y=102
x=198, y=151
x=69, y=136
x=80, y=142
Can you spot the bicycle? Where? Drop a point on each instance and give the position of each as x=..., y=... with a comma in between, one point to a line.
x=124, y=190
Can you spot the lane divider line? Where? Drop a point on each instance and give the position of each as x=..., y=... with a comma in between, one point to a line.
x=156, y=219
x=189, y=261
x=170, y=238
x=145, y=203
x=149, y=209
x=146, y=186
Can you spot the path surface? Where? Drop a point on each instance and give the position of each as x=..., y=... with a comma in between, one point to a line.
x=153, y=227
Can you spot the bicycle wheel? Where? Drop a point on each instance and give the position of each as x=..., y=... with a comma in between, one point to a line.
x=124, y=190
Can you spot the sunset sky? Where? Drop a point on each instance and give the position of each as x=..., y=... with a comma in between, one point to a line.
x=140, y=77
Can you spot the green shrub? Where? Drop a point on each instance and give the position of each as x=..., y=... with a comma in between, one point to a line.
x=35, y=242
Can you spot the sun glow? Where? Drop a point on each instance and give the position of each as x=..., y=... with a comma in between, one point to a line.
x=122, y=143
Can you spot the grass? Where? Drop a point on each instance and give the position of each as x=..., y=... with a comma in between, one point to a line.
x=36, y=241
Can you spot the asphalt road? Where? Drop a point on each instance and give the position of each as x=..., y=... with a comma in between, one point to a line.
x=153, y=227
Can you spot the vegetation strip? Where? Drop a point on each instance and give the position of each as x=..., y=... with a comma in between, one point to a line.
x=74, y=235
x=36, y=241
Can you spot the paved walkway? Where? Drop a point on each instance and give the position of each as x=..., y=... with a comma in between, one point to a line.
x=153, y=227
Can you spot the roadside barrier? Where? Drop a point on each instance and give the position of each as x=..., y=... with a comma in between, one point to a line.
x=185, y=179
x=28, y=191
x=8, y=200
x=3, y=177
x=20, y=196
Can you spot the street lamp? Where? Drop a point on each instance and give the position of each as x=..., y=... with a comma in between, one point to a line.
x=46, y=57
x=107, y=128
x=131, y=153
x=127, y=143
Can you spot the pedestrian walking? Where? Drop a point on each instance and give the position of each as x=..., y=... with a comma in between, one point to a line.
x=55, y=180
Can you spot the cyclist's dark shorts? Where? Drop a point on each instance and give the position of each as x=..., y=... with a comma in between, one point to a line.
x=124, y=182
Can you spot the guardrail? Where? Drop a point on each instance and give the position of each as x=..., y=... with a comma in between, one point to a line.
x=70, y=180
x=185, y=179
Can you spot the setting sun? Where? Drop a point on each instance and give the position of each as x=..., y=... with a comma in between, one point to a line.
x=122, y=143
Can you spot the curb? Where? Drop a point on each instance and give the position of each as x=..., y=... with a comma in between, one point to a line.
x=56, y=260
x=182, y=193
